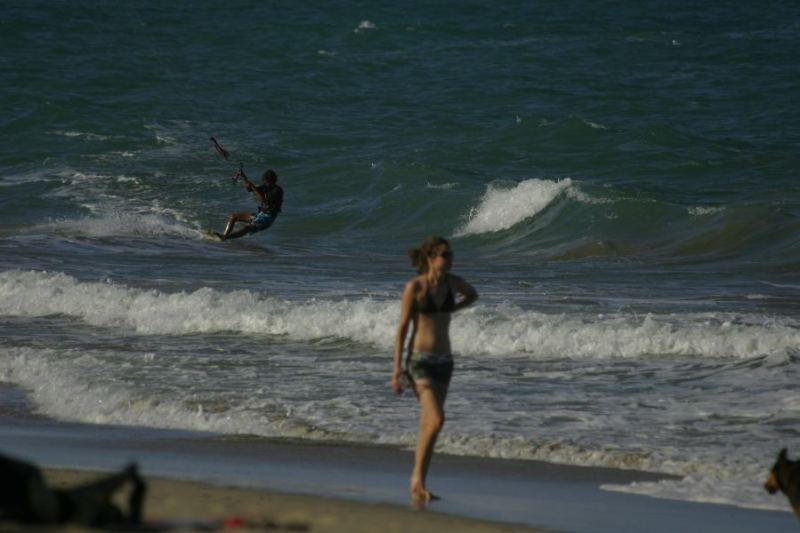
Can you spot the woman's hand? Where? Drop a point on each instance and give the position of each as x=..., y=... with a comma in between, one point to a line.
x=398, y=383
x=395, y=382
x=466, y=290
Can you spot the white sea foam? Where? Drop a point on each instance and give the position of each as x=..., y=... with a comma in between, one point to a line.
x=704, y=476
x=579, y=196
x=441, y=186
x=114, y=214
x=501, y=208
x=486, y=331
x=503, y=331
x=81, y=385
x=202, y=311
x=81, y=134
x=699, y=211
x=128, y=179
x=123, y=223
x=692, y=469
x=790, y=286
x=740, y=491
x=14, y=180
x=365, y=25
x=595, y=125
x=68, y=386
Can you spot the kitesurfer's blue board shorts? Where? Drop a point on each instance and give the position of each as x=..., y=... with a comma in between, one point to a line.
x=262, y=220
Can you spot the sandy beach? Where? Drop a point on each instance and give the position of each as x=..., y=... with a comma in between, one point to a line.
x=185, y=505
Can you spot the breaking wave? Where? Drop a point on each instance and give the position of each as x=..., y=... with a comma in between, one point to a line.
x=502, y=208
x=497, y=331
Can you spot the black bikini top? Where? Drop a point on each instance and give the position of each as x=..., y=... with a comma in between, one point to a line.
x=428, y=305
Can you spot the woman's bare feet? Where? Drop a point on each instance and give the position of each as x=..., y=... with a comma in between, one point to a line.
x=420, y=496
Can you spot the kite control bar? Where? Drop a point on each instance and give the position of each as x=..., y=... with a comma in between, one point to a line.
x=240, y=173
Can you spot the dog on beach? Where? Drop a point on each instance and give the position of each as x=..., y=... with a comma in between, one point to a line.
x=26, y=498
x=785, y=477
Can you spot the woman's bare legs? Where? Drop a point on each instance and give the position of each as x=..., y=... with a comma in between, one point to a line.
x=431, y=397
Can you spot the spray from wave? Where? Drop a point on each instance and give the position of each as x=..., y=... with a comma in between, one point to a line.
x=125, y=224
x=502, y=208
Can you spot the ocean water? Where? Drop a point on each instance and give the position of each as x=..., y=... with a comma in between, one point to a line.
x=620, y=184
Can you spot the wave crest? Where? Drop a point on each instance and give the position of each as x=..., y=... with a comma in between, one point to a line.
x=502, y=208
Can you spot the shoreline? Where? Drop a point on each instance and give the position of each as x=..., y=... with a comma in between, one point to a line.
x=531, y=495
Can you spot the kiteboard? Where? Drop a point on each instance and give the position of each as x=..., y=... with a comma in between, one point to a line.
x=211, y=236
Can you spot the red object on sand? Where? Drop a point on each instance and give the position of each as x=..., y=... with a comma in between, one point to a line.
x=233, y=522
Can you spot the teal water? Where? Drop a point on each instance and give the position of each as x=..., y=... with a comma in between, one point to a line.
x=620, y=185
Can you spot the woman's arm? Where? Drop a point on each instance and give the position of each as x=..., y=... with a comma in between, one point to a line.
x=406, y=312
x=466, y=290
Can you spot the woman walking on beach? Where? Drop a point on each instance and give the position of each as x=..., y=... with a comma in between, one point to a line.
x=428, y=301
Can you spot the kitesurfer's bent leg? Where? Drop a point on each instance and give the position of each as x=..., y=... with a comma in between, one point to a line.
x=240, y=233
x=232, y=220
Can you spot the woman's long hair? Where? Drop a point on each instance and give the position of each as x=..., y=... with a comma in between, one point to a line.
x=419, y=256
